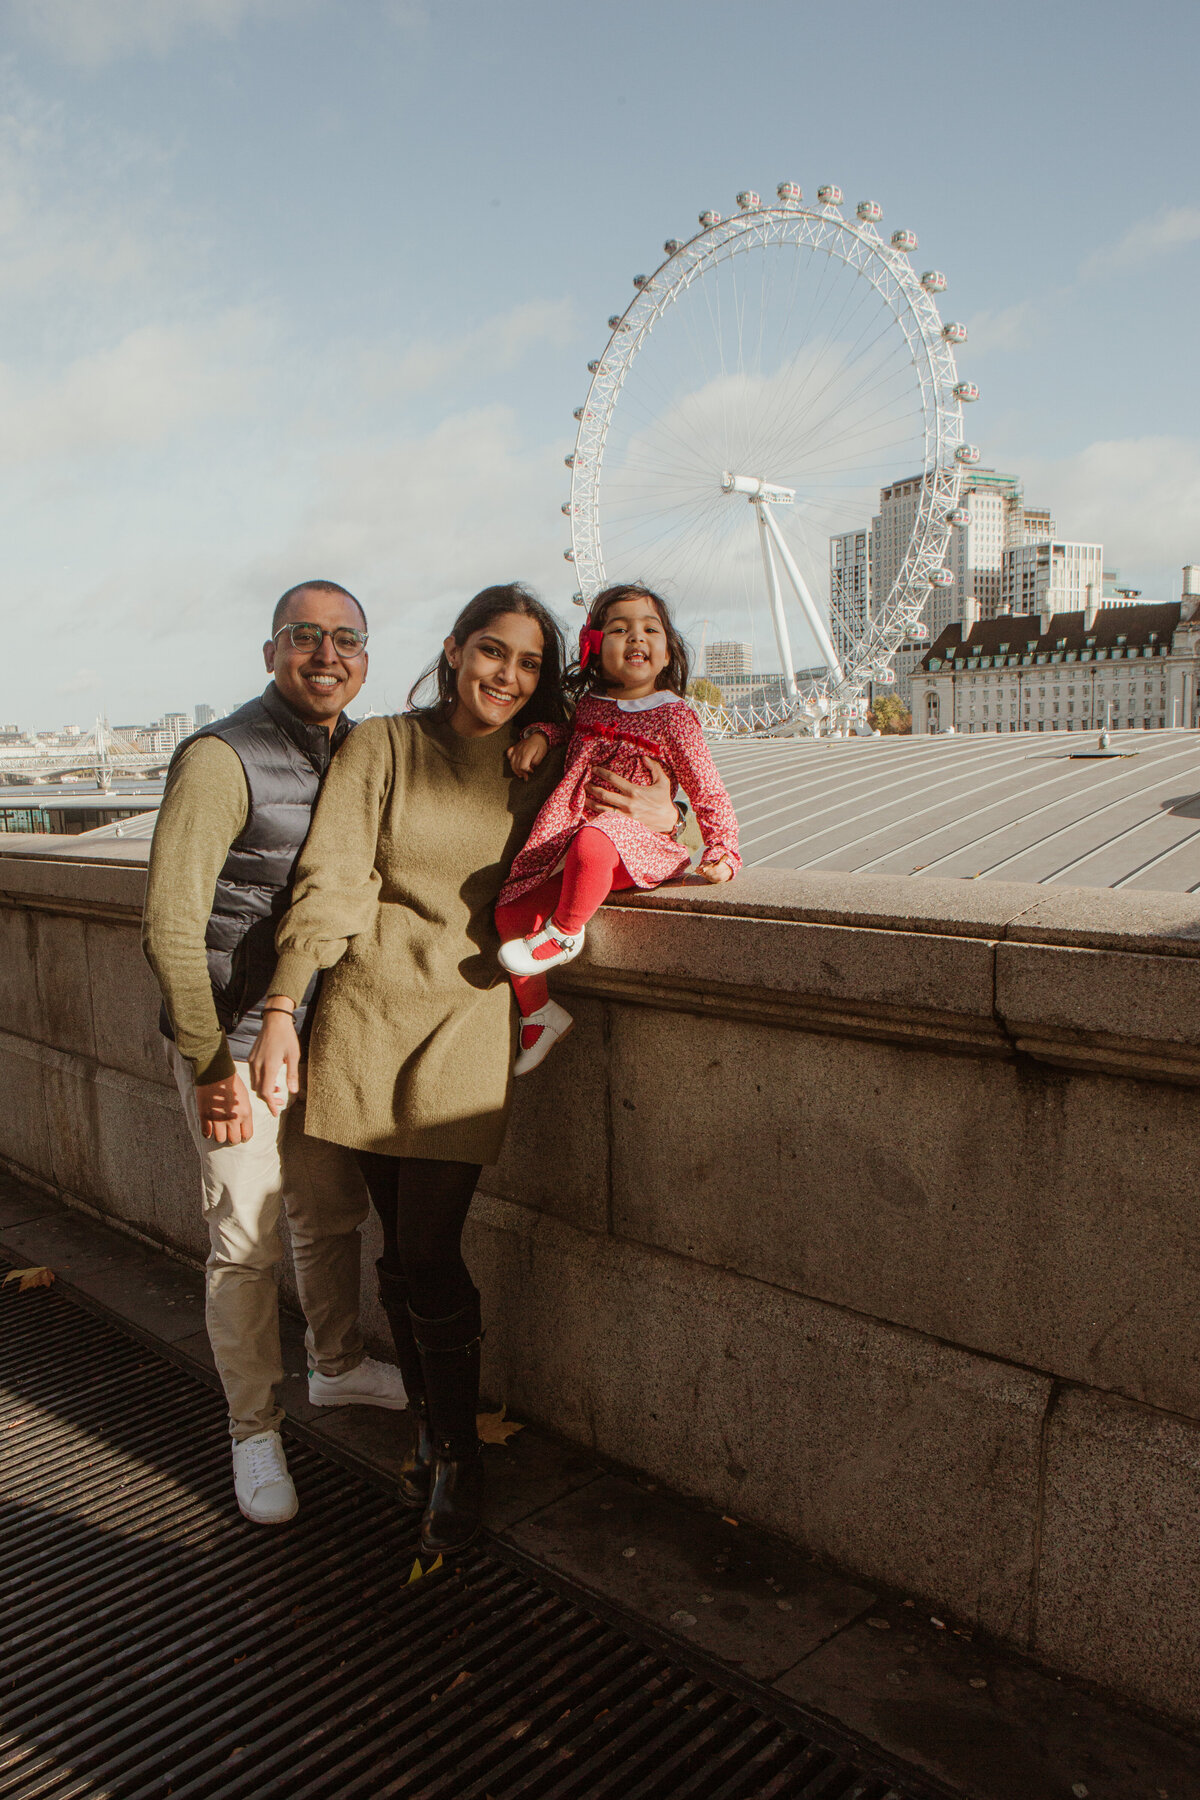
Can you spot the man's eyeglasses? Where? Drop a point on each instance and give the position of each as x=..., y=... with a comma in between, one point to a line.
x=346, y=641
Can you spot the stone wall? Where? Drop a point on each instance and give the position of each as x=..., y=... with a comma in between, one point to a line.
x=860, y=1207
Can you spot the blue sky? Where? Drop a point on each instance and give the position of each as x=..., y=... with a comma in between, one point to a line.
x=296, y=287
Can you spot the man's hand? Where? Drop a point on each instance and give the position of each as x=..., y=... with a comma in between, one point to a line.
x=276, y=1052
x=721, y=870
x=524, y=757
x=652, y=806
x=224, y=1108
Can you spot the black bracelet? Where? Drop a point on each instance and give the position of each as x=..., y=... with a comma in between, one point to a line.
x=278, y=1009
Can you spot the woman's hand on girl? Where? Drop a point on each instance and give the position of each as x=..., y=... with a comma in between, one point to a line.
x=721, y=870
x=276, y=1055
x=524, y=757
x=651, y=806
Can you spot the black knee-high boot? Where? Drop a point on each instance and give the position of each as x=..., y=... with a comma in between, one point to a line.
x=450, y=1359
x=417, y=1469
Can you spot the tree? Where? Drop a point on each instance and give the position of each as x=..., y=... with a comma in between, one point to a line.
x=890, y=716
x=706, y=691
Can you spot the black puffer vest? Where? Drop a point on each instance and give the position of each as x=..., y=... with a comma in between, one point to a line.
x=285, y=761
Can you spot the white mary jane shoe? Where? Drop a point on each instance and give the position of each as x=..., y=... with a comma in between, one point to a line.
x=518, y=958
x=540, y=1031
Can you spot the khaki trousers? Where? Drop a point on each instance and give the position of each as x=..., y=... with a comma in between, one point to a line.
x=246, y=1185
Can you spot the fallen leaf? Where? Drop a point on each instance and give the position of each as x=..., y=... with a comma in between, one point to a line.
x=15, y=1425
x=463, y=1675
x=683, y=1618
x=940, y=1623
x=879, y=1624
x=494, y=1428
x=726, y=1520
x=977, y=1681
x=416, y=1572
x=29, y=1278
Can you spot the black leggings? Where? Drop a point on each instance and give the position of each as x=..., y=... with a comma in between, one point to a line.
x=422, y=1206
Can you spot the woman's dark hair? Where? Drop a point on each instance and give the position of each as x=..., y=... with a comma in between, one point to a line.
x=547, y=702
x=677, y=672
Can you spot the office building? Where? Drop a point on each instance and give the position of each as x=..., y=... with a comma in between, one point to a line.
x=1053, y=575
x=849, y=589
x=728, y=662
x=205, y=715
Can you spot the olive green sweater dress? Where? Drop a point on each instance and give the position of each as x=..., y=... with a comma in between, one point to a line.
x=412, y=1044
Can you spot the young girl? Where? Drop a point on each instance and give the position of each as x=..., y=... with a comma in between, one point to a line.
x=631, y=678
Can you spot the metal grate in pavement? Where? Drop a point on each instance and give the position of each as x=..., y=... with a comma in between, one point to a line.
x=153, y=1644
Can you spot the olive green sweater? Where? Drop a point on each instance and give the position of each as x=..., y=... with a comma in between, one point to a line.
x=412, y=1044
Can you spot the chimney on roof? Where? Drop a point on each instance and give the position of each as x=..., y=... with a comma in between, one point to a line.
x=1045, y=614
x=1191, y=590
x=970, y=615
x=1092, y=606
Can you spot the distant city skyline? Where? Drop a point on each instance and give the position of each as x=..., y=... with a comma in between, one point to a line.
x=304, y=291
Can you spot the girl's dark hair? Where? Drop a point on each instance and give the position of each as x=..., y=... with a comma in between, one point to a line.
x=677, y=672
x=547, y=702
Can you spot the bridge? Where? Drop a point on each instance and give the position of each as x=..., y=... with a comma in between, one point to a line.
x=104, y=754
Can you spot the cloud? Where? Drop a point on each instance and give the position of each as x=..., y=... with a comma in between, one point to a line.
x=1008, y=328
x=497, y=345
x=1172, y=228
x=155, y=383
x=1139, y=497
x=82, y=682
x=94, y=32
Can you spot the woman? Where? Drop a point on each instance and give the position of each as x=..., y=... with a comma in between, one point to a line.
x=410, y=1059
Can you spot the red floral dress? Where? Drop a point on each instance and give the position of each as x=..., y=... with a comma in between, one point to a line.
x=621, y=735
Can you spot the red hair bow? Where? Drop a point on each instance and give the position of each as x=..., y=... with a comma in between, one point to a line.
x=589, y=645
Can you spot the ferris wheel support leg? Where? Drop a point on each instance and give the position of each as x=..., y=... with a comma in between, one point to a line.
x=807, y=603
x=775, y=594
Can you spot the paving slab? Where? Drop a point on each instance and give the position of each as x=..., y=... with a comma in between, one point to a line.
x=739, y=1595
x=68, y=1242
x=19, y=1203
x=984, y=1720
x=157, y=1296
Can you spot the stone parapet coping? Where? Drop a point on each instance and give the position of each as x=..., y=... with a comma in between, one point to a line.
x=1085, y=978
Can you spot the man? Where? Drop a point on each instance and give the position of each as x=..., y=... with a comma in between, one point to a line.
x=238, y=802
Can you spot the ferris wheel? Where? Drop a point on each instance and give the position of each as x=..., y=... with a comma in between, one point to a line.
x=771, y=375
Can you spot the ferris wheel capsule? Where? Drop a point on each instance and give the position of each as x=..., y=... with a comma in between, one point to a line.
x=789, y=192
x=593, y=365
x=919, y=630
x=869, y=211
x=955, y=332
x=967, y=453
x=829, y=195
x=958, y=516
x=933, y=281
x=570, y=460
x=565, y=509
x=966, y=390
x=710, y=218
x=641, y=281
x=578, y=413
x=568, y=556
x=671, y=246
x=904, y=240
x=748, y=200
x=942, y=578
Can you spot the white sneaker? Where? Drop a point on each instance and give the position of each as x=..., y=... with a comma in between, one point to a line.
x=557, y=947
x=540, y=1031
x=261, y=1481
x=370, y=1384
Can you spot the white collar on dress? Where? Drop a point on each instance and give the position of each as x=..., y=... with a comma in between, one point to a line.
x=647, y=704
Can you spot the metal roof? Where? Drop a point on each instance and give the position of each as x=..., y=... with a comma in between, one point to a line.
x=1020, y=807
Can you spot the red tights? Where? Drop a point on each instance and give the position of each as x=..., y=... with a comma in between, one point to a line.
x=593, y=870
